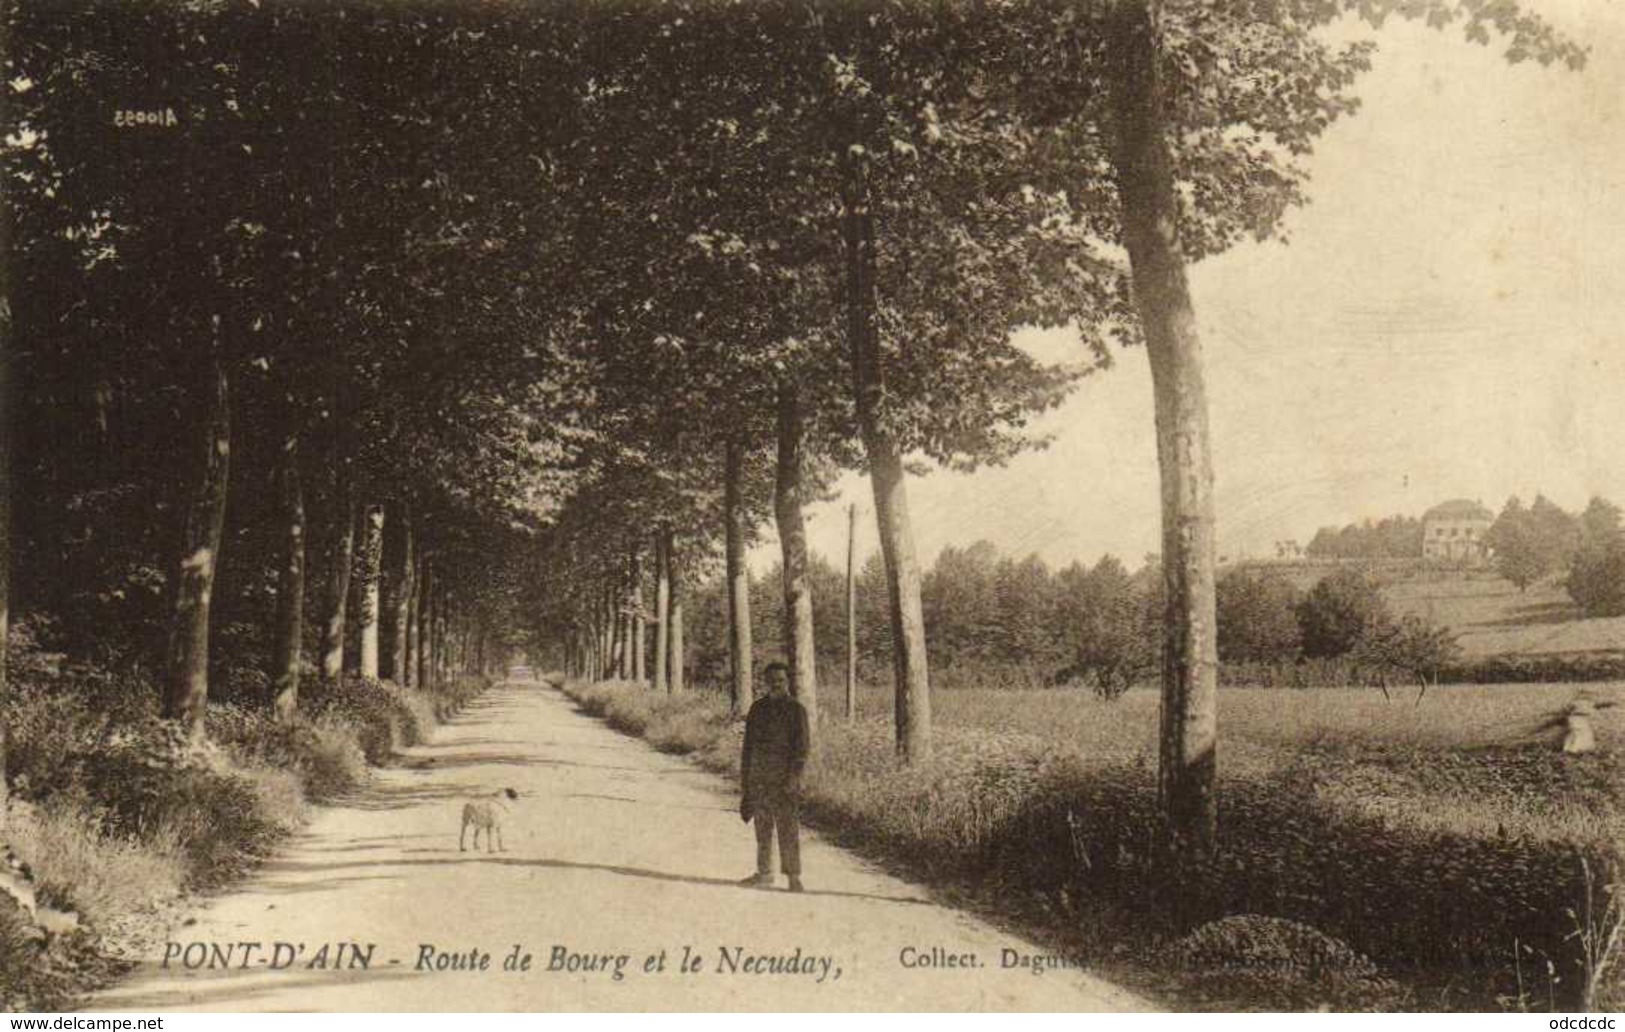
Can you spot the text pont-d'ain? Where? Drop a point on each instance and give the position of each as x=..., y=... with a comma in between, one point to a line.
x=430, y=958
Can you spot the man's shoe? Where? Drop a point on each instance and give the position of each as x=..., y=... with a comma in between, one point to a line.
x=757, y=881
x=795, y=884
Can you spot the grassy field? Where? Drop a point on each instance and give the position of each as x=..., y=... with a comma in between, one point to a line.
x=1492, y=617
x=1466, y=758
x=1446, y=839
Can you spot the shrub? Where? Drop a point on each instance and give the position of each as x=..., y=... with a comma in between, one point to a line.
x=383, y=715
x=1408, y=647
x=21, y=959
x=1338, y=612
x=1597, y=580
x=1257, y=616
x=325, y=752
x=103, y=878
x=450, y=697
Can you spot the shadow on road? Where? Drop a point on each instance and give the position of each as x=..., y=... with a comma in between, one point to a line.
x=321, y=885
x=476, y=759
x=659, y=804
x=450, y=856
x=222, y=991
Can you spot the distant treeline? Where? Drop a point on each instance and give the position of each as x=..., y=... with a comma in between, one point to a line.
x=1528, y=544
x=997, y=621
x=1396, y=537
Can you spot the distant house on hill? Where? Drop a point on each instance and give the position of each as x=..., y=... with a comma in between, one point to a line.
x=1455, y=530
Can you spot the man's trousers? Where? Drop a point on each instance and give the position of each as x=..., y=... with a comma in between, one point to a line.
x=778, y=814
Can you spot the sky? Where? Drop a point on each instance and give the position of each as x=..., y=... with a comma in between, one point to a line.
x=1446, y=321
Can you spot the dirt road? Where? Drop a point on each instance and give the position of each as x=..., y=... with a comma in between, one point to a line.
x=618, y=882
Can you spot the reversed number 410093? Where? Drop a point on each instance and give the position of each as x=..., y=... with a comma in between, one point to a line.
x=161, y=117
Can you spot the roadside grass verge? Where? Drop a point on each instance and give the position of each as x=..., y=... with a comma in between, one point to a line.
x=116, y=819
x=1448, y=868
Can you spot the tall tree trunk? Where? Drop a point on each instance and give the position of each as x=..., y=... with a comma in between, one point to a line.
x=403, y=599
x=594, y=635
x=440, y=630
x=187, y=693
x=634, y=601
x=595, y=644
x=618, y=631
x=623, y=661
x=911, y=673
x=739, y=644
x=290, y=598
x=678, y=654
x=414, y=637
x=8, y=345
x=606, y=632
x=663, y=610
x=1150, y=215
x=600, y=643
x=431, y=638
x=372, y=563
x=590, y=636
x=801, y=645
x=851, y=613
x=340, y=561
x=425, y=635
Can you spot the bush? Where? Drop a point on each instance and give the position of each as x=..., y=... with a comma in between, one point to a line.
x=384, y=716
x=1338, y=612
x=104, y=878
x=325, y=752
x=144, y=780
x=1409, y=647
x=1597, y=580
x=450, y=697
x=1257, y=616
x=24, y=967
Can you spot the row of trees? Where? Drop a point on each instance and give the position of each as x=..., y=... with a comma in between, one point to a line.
x=533, y=300
x=943, y=200
x=1393, y=537
x=238, y=414
x=996, y=620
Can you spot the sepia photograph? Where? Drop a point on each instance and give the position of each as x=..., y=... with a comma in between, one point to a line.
x=624, y=506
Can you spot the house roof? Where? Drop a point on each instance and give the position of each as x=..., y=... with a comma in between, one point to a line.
x=1459, y=509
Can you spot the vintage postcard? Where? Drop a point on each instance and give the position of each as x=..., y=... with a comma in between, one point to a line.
x=812, y=505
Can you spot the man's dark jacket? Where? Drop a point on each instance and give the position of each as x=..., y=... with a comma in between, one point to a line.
x=775, y=753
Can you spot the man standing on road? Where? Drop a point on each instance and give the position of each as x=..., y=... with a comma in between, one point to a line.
x=770, y=773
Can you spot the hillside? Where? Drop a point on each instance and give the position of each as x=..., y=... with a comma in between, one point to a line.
x=1487, y=611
